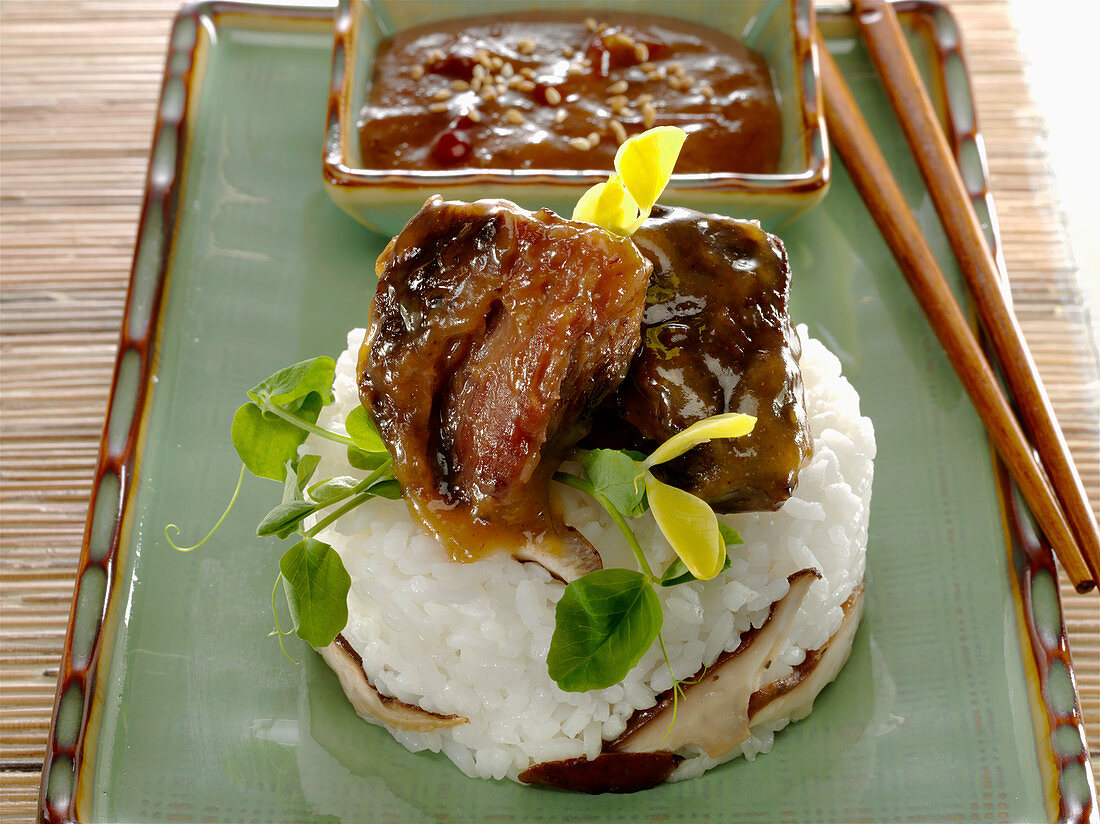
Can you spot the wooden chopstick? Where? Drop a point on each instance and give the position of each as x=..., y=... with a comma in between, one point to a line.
x=852, y=137
x=901, y=80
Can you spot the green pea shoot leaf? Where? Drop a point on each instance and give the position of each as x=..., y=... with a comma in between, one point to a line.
x=618, y=477
x=284, y=518
x=265, y=443
x=364, y=431
x=730, y=536
x=367, y=461
x=388, y=488
x=603, y=625
x=332, y=490
x=307, y=465
x=316, y=586
x=290, y=387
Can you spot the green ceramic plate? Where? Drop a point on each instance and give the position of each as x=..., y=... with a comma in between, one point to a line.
x=175, y=705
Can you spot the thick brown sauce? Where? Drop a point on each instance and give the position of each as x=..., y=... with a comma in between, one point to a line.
x=557, y=90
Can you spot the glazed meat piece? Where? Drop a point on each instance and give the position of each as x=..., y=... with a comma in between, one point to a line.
x=717, y=338
x=493, y=335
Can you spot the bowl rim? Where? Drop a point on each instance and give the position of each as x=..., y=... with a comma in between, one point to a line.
x=341, y=127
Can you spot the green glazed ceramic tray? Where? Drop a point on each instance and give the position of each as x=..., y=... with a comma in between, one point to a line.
x=173, y=703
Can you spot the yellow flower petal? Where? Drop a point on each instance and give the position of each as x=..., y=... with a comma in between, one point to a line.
x=608, y=205
x=729, y=425
x=645, y=163
x=690, y=526
x=643, y=167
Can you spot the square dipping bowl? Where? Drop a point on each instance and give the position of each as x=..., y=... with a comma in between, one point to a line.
x=384, y=200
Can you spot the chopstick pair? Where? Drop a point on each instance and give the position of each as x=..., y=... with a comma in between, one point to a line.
x=1057, y=500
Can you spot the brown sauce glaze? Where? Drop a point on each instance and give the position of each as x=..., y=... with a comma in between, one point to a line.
x=554, y=90
x=717, y=337
x=493, y=334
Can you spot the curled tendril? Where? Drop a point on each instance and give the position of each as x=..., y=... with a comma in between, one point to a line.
x=233, y=500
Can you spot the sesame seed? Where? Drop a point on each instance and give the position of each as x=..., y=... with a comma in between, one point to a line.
x=507, y=70
x=567, y=51
x=653, y=75
x=676, y=69
x=618, y=87
x=620, y=39
x=474, y=115
x=580, y=143
x=417, y=72
x=525, y=86
x=553, y=96
x=560, y=116
x=590, y=23
x=495, y=63
x=488, y=93
x=525, y=46
x=618, y=130
x=528, y=72
x=594, y=138
x=436, y=56
x=459, y=85
x=514, y=116
x=641, y=52
x=442, y=94
x=514, y=81
x=688, y=82
x=483, y=59
x=649, y=115
x=646, y=66
x=438, y=107
x=707, y=91
x=475, y=84
x=575, y=69
x=619, y=101
x=479, y=72
x=644, y=98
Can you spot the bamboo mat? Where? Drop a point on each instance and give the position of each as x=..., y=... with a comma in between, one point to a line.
x=78, y=87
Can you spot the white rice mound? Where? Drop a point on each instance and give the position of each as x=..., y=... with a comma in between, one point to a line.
x=472, y=639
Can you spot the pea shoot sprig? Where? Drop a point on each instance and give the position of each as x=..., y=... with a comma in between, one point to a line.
x=608, y=619
x=267, y=432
